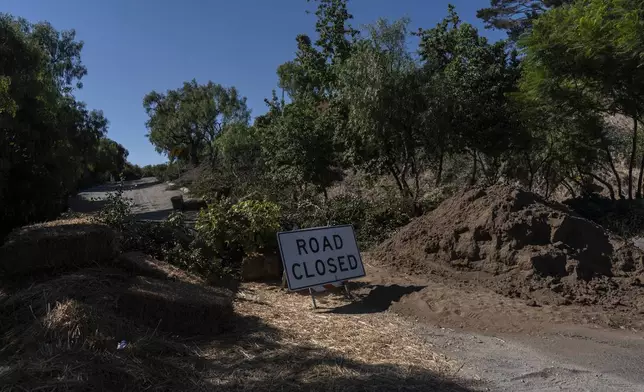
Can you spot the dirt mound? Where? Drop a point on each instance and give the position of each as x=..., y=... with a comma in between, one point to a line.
x=57, y=245
x=519, y=245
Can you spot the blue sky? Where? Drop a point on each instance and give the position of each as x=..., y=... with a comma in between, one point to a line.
x=135, y=46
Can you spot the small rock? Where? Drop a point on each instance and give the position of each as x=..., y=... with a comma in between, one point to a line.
x=532, y=303
x=563, y=302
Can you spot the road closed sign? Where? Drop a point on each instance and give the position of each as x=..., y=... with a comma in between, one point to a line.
x=313, y=257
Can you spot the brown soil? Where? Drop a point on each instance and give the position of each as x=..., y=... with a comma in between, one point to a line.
x=516, y=261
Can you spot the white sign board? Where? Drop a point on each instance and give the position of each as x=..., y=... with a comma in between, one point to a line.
x=313, y=257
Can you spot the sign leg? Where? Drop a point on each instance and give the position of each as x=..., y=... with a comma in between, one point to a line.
x=315, y=305
x=347, y=291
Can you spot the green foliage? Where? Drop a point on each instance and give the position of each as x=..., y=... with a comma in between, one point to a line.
x=516, y=16
x=379, y=89
x=117, y=211
x=185, y=122
x=586, y=58
x=164, y=171
x=233, y=230
x=373, y=220
x=299, y=147
x=48, y=139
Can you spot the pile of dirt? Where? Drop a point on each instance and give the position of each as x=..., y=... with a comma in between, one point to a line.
x=519, y=245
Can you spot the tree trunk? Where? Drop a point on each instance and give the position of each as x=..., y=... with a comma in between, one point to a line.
x=531, y=169
x=611, y=191
x=439, y=172
x=547, y=178
x=416, y=173
x=569, y=187
x=393, y=173
x=632, y=161
x=639, y=180
x=474, y=169
x=194, y=155
x=614, y=170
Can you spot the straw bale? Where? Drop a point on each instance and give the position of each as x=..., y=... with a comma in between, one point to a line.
x=142, y=264
x=177, y=307
x=57, y=244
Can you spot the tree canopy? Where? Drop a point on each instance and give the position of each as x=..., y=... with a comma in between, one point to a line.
x=49, y=141
x=185, y=122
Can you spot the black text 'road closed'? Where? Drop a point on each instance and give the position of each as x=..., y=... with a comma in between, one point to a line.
x=314, y=257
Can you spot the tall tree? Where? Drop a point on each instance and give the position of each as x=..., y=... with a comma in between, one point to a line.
x=378, y=86
x=47, y=138
x=190, y=118
x=589, y=53
x=515, y=16
x=469, y=79
x=311, y=74
x=300, y=147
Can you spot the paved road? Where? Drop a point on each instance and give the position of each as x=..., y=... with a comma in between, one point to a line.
x=151, y=198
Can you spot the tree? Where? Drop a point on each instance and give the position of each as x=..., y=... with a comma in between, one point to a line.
x=299, y=147
x=588, y=55
x=111, y=159
x=466, y=82
x=311, y=74
x=377, y=84
x=516, y=16
x=186, y=121
x=47, y=138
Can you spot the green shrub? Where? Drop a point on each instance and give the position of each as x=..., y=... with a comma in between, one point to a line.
x=195, y=259
x=117, y=211
x=373, y=221
x=233, y=230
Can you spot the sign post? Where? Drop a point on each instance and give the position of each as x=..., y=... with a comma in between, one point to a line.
x=319, y=256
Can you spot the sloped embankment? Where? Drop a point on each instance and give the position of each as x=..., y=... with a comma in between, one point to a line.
x=521, y=246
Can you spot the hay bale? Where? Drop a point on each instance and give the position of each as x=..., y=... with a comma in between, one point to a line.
x=261, y=267
x=75, y=309
x=140, y=263
x=177, y=307
x=57, y=244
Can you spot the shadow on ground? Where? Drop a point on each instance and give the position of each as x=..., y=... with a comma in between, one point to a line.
x=248, y=356
x=85, y=206
x=158, y=215
x=375, y=298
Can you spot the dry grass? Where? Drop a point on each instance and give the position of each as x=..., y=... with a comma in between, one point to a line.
x=176, y=307
x=142, y=264
x=57, y=244
x=372, y=338
x=299, y=348
x=62, y=334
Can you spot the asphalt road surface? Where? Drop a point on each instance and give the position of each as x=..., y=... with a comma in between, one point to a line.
x=150, y=197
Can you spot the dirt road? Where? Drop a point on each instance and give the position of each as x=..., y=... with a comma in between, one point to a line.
x=150, y=197
x=497, y=348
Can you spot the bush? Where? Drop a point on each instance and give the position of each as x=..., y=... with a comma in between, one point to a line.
x=117, y=211
x=373, y=221
x=164, y=171
x=233, y=230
